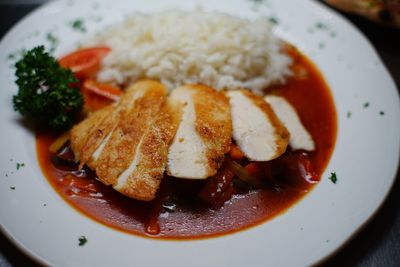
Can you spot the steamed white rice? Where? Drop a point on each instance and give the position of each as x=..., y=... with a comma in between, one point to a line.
x=177, y=47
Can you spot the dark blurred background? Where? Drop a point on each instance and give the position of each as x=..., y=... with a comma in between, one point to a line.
x=378, y=244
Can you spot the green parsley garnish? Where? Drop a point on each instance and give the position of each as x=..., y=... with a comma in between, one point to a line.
x=78, y=25
x=333, y=177
x=45, y=93
x=366, y=104
x=82, y=240
x=20, y=165
x=12, y=187
x=321, y=45
x=381, y=113
x=348, y=115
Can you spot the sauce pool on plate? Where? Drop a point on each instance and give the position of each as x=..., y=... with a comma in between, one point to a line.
x=177, y=212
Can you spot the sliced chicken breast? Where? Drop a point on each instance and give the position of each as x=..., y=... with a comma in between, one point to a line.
x=256, y=129
x=204, y=132
x=81, y=133
x=147, y=98
x=95, y=145
x=127, y=143
x=300, y=138
x=143, y=176
x=98, y=137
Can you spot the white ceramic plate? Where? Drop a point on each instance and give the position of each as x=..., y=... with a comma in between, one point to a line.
x=365, y=158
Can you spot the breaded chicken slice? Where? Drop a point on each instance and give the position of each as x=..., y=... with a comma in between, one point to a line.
x=98, y=135
x=97, y=142
x=147, y=98
x=142, y=178
x=83, y=131
x=204, y=132
x=300, y=138
x=256, y=129
x=89, y=137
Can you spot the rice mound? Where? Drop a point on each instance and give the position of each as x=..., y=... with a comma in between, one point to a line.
x=177, y=47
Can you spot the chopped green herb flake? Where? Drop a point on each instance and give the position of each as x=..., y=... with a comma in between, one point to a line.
x=78, y=25
x=333, y=177
x=321, y=26
x=257, y=1
x=366, y=104
x=53, y=40
x=12, y=187
x=381, y=113
x=333, y=34
x=6, y=174
x=348, y=115
x=20, y=165
x=44, y=205
x=321, y=45
x=273, y=20
x=11, y=56
x=16, y=55
x=82, y=240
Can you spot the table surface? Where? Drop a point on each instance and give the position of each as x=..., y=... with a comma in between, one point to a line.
x=378, y=244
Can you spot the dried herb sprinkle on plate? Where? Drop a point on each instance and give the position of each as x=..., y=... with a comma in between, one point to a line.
x=333, y=177
x=82, y=240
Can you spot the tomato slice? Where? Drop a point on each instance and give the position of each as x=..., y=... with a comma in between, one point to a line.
x=98, y=95
x=84, y=63
x=103, y=89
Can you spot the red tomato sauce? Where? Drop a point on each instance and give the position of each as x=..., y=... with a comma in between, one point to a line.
x=177, y=213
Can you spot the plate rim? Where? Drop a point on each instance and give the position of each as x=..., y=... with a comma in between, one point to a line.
x=39, y=259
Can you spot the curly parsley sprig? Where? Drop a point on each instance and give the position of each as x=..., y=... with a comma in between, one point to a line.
x=45, y=93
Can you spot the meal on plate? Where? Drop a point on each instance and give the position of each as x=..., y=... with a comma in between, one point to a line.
x=179, y=124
